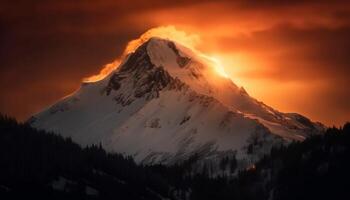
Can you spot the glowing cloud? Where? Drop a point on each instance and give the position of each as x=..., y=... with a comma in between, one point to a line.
x=107, y=69
x=166, y=32
x=217, y=65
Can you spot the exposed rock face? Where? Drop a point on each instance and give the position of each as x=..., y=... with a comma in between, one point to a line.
x=114, y=83
x=148, y=80
x=152, y=82
x=138, y=61
x=181, y=60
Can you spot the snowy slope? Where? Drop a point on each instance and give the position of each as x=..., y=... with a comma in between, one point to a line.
x=165, y=103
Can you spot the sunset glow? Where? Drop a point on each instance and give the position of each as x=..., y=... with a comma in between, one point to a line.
x=178, y=100
x=276, y=50
x=166, y=32
x=216, y=64
x=107, y=69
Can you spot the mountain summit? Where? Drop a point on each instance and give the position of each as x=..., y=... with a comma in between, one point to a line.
x=166, y=103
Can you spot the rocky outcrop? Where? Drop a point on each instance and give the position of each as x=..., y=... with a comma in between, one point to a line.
x=182, y=61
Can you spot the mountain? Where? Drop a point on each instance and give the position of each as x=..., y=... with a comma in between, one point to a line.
x=166, y=103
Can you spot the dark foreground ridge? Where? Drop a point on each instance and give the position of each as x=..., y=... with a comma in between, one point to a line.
x=40, y=165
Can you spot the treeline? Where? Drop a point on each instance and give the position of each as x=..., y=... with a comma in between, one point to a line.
x=37, y=164
x=317, y=168
x=43, y=165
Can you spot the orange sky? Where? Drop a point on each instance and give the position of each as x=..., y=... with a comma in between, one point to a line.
x=293, y=55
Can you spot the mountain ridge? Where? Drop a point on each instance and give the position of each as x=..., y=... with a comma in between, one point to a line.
x=165, y=103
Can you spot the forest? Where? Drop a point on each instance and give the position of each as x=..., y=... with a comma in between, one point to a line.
x=43, y=165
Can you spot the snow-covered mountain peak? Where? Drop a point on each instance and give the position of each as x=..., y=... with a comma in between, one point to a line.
x=166, y=102
x=180, y=61
x=185, y=64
